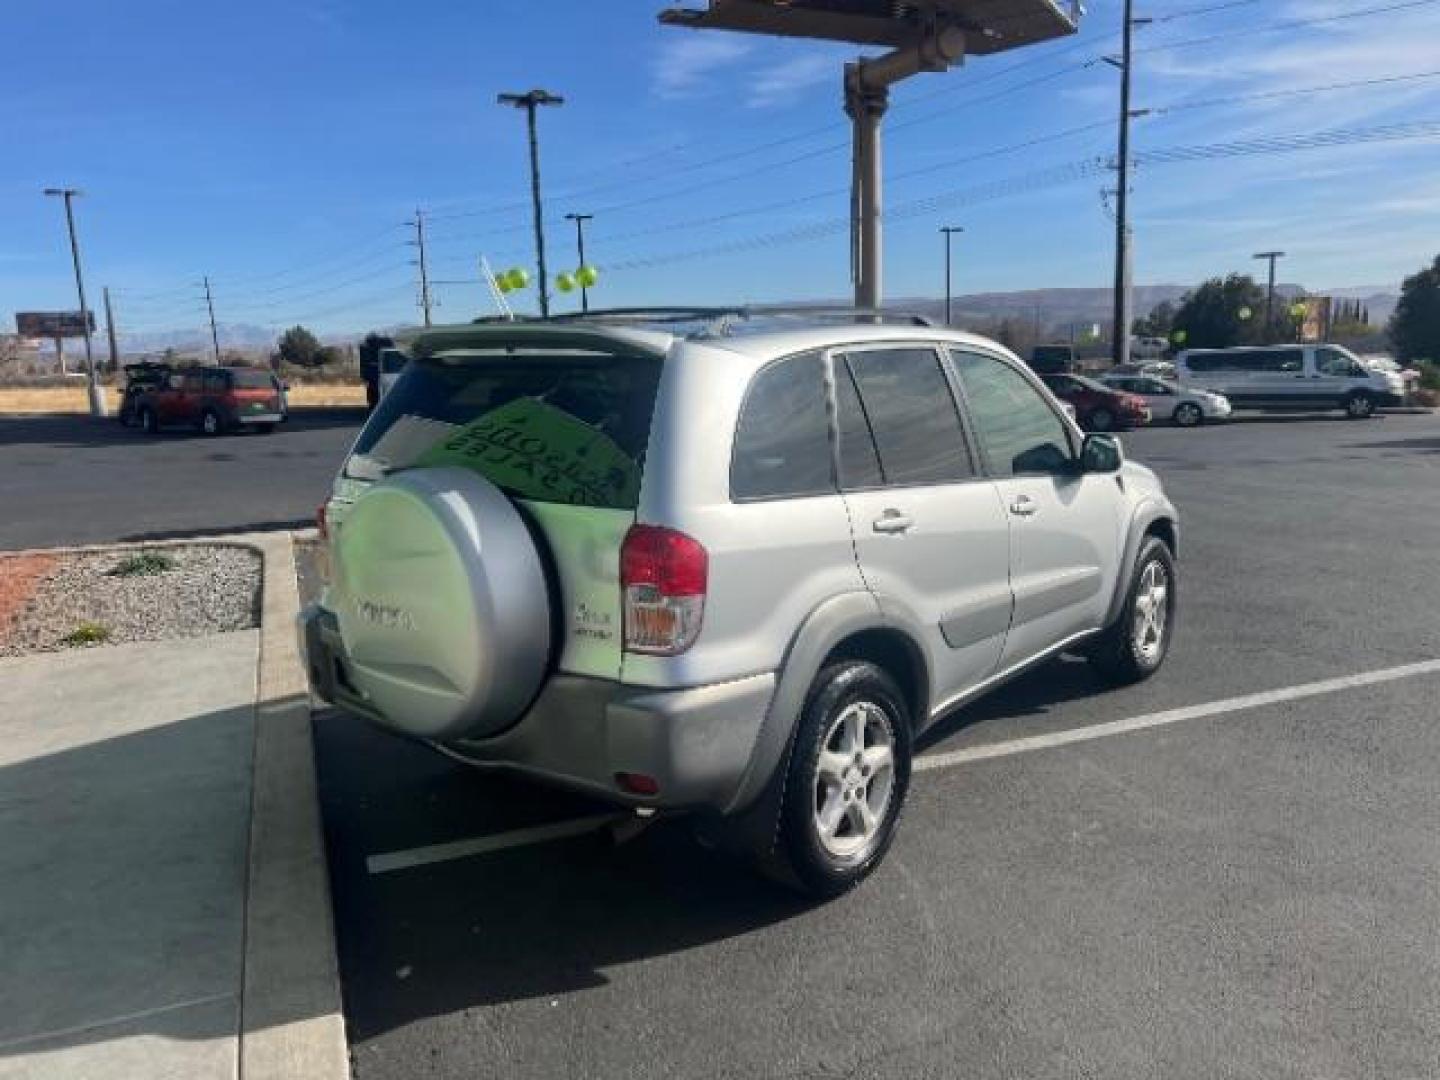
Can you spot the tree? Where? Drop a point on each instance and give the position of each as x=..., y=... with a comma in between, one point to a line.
x=1158, y=323
x=300, y=348
x=1415, y=326
x=1222, y=312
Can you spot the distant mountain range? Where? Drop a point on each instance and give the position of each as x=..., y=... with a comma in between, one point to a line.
x=1054, y=309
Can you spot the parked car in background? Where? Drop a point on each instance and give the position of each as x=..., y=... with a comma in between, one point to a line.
x=715, y=571
x=140, y=379
x=1148, y=348
x=1188, y=407
x=1052, y=359
x=1291, y=378
x=214, y=400
x=1099, y=407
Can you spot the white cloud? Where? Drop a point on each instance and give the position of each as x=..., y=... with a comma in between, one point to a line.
x=781, y=84
x=688, y=62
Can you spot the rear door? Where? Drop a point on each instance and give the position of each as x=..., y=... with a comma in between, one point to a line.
x=1279, y=379
x=254, y=394
x=929, y=529
x=180, y=403
x=1064, y=527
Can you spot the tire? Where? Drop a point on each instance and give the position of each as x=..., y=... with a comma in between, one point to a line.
x=822, y=782
x=149, y=422
x=264, y=429
x=1100, y=420
x=1188, y=414
x=210, y=423
x=1129, y=650
x=1359, y=406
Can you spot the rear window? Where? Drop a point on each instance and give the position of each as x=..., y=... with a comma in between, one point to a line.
x=564, y=427
x=252, y=380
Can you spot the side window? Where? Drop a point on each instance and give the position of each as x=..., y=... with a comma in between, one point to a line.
x=1018, y=432
x=192, y=382
x=859, y=460
x=1290, y=361
x=912, y=415
x=782, y=442
x=1335, y=362
x=216, y=382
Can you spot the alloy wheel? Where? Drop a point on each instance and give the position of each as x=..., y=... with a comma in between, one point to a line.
x=854, y=780
x=1152, y=607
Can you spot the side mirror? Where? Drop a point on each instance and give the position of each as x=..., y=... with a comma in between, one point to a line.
x=1101, y=454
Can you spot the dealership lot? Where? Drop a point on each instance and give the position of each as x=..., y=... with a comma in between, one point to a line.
x=68, y=480
x=1245, y=886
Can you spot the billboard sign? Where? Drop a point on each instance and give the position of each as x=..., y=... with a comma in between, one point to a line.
x=54, y=324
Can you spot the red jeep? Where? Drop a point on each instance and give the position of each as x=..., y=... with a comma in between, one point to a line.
x=1099, y=407
x=214, y=399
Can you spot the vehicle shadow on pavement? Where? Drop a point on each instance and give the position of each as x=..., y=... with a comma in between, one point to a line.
x=1402, y=446
x=1035, y=693
x=528, y=922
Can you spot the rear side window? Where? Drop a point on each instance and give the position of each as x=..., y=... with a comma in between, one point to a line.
x=912, y=416
x=252, y=380
x=782, y=442
x=564, y=427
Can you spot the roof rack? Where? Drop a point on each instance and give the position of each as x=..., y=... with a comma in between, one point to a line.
x=726, y=315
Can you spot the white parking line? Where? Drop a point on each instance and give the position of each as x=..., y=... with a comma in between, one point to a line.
x=389, y=861
x=480, y=845
x=931, y=762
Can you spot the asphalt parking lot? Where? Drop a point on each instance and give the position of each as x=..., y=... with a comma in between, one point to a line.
x=70, y=480
x=1225, y=884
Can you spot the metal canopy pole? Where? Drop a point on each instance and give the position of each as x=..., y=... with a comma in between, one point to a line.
x=867, y=93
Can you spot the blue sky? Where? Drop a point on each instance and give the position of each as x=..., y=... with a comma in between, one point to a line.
x=280, y=147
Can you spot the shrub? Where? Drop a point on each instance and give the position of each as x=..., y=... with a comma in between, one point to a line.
x=86, y=634
x=145, y=564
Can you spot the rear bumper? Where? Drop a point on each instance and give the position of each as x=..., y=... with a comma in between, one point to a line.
x=696, y=743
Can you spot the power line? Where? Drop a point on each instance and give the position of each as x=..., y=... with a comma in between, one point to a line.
x=1290, y=24
x=1267, y=95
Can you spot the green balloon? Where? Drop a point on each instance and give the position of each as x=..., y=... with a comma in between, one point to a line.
x=1244, y=313
x=519, y=277
x=565, y=283
x=1179, y=337
x=503, y=283
x=1299, y=311
x=587, y=276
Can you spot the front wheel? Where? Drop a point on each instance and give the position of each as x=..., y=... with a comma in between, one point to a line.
x=210, y=422
x=1134, y=646
x=149, y=422
x=1188, y=414
x=1359, y=406
x=847, y=778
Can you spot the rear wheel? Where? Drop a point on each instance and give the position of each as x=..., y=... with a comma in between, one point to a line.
x=1100, y=420
x=1359, y=406
x=1188, y=414
x=847, y=778
x=1134, y=646
x=264, y=429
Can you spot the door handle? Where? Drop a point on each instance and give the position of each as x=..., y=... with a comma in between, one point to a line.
x=893, y=521
x=1023, y=506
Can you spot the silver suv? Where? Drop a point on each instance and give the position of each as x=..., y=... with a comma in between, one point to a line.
x=735, y=565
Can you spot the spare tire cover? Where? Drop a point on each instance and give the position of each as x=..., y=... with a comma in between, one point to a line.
x=443, y=604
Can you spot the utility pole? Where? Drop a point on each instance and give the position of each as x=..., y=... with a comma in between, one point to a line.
x=425, y=300
x=210, y=306
x=110, y=331
x=580, y=220
x=530, y=102
x=1121, y=348
x=97, y=398
x=949, y=230
x=1271, y=257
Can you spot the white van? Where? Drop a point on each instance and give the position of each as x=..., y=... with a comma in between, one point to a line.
x=1290, y=377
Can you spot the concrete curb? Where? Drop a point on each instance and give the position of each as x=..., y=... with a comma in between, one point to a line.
x=290, y=1012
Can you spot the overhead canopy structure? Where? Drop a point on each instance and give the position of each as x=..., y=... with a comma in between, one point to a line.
x=922, y=35
x=990, y=25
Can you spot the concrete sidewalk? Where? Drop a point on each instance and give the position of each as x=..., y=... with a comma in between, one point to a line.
x=163, y=904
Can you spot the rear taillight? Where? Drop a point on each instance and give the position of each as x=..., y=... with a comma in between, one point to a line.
x=663, y=576
x=321, y=520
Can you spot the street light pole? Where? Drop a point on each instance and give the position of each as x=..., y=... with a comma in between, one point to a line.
x=949, y=230
x=1272, y=257
x=1122, y=313
x=97, y=399
x=530, y=102
x=580, y=220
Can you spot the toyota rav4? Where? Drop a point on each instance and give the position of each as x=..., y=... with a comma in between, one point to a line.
x=733, y=565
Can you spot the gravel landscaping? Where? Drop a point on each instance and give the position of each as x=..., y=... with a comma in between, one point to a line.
x=162, y=592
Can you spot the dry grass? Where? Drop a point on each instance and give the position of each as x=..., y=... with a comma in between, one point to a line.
x=72, y=399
